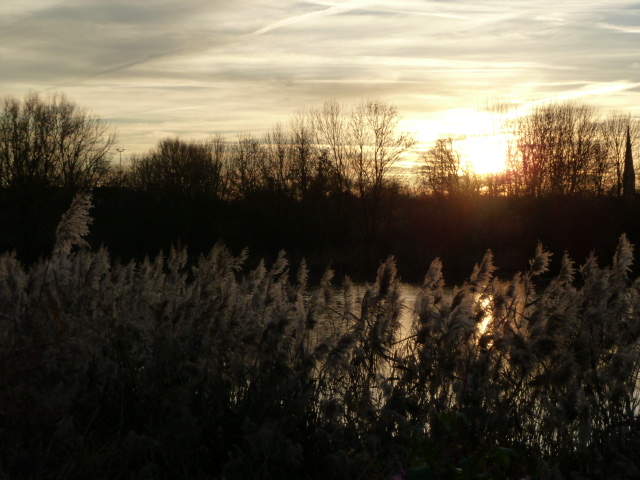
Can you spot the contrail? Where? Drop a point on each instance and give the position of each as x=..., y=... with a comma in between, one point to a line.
x=333, y=10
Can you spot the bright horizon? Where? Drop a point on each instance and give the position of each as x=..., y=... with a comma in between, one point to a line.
x=196, y=68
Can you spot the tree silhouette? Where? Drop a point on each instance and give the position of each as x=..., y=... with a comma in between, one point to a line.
x=442, y=172
x=185, y=168
x=629, y=177
x=52, y=142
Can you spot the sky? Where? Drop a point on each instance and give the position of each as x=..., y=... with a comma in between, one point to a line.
x=195, y=68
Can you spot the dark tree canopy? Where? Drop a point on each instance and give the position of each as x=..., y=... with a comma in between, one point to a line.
x=50, y=141
x=180, y=167
x=566, y=148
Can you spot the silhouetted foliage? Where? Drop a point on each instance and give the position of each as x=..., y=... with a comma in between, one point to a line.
x=194, y=169
x=52, y=142
x=443, y=172
x=160, y=369
x=324, y=186
x=567, y=148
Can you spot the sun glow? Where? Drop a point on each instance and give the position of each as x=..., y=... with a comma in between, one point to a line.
x=483, y=143
x=484, y=153
x=485, y=305
x=480, y=137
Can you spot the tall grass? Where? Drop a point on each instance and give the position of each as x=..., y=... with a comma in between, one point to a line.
x=176, y=369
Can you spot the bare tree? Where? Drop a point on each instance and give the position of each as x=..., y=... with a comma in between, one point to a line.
x=185, y=168
x=331, y=132
x=304, y=155
x=290, y=160
x=52, y=142
x=363, y=143
x=558, y=150
x=246, y=166
x=276, y=168
x=358, y=147
x=599, y=181
x=443, y=172
x=614, y=135
x=379, y=145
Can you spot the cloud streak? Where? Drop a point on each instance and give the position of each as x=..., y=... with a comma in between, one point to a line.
x=332, y=10
x=283, y=23
x=620, y=28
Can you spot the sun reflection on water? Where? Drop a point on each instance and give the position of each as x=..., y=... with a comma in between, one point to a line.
x=485, y=306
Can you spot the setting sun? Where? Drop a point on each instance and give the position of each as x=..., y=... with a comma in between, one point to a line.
x=480, y=138
x=485, y=154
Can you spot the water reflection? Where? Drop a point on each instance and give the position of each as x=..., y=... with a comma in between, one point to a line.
x=484, y=304
x=408, y=293
x=339, y=304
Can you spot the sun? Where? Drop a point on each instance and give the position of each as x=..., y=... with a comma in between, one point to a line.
x=485, y=153
x=483, y=143
x=479, y=137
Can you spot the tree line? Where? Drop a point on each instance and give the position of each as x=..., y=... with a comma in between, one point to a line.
x=556, y=148
x=324, y=183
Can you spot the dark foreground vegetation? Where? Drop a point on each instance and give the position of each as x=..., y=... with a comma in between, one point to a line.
x=159, y=370
x=118, y=361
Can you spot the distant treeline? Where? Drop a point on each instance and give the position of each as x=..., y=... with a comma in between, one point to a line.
x=321, y=187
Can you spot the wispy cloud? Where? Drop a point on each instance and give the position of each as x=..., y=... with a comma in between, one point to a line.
x=204, y=66
x=332, y=10
x=580, y=90
x=620, y=28
x=204, y=45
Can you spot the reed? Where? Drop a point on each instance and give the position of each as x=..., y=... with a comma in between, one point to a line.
x=171, y=368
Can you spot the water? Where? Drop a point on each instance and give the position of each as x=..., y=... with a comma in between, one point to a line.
x=408, y=294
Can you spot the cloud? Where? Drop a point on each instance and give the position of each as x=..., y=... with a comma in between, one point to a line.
x=162, y=43
x=220, y=66
x=332, y=10
x=620, y=28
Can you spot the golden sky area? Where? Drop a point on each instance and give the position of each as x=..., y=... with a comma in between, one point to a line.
x=199, y=67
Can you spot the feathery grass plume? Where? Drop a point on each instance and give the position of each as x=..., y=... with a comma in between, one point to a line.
x=325, y=284
x=461, y=320
x=623, y=259
x=540, y=262
x=144, y=370
x=386, y=279
x=434, y=279
x=177, y=260
x=386, y=325
x=596, y=281
x=567, y=270
x=428, y=310
x=74, y=225
x=13, y=280
x=340, y=354
x=559, y=300
x=483, y=273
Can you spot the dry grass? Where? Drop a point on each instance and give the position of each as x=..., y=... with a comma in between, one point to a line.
x=161, y=370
